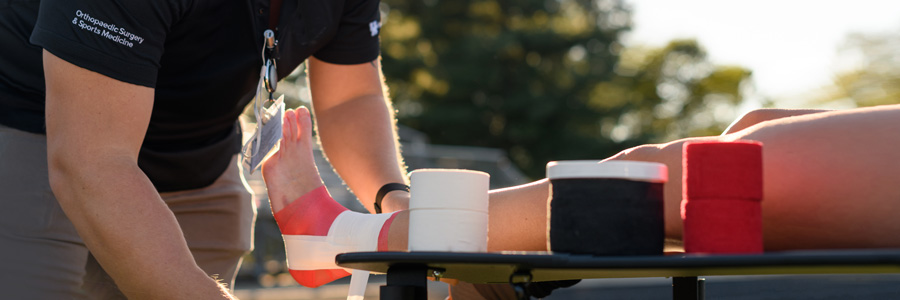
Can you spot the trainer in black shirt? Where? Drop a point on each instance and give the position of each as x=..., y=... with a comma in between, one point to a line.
x=142, y=97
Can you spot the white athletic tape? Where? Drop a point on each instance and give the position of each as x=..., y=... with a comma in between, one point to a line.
x=309, y=252
x=350, y=232
x=353, y=228
x=358, y=281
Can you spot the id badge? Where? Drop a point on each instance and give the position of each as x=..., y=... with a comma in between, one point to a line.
x=265, y=140
x=268, y=120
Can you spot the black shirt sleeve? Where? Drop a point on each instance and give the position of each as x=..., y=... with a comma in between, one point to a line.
x=120, y=39
x=356, y=40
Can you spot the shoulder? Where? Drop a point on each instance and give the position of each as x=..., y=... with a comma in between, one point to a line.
x=114, y=38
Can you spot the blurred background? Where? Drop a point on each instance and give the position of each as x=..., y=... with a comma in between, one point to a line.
x=572, y=79
x=506, y=86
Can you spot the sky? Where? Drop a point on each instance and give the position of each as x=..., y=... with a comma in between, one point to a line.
x=790, y=45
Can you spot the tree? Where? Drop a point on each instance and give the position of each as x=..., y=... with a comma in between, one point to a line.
x=543, y=80
x=668, y=93
x=871, y=74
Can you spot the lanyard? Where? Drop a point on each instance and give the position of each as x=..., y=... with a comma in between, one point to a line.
x=270, y=73
x=268, y=119
x=274, y=13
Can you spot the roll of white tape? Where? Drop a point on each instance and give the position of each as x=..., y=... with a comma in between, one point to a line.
x=449, y=230
x=621, y=169
x=449, y=189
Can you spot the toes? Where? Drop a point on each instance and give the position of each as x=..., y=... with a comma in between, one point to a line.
x=302, y=112
x=291, y=124
x=304, y=123
x=296, y=127
x=285, y=131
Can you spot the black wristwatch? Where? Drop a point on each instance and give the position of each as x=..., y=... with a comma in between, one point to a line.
x=387, y=188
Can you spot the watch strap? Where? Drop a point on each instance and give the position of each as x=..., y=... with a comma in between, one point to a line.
x=387, y=188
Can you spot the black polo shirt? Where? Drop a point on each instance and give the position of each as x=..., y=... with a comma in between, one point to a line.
x=202, y=57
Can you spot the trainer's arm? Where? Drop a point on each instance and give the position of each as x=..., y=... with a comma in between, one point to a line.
x=357, y=130
x=95, y=127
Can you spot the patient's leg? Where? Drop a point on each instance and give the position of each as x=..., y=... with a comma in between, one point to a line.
x=829, y=179
x=829, y=182
x=517, y=217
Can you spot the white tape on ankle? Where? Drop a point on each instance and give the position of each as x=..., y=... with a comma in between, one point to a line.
x=361, y=230
x=310, y=252
x=350, y=232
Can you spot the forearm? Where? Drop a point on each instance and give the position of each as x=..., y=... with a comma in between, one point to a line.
x=95, y=127
x=359, y=137
x=129, y=229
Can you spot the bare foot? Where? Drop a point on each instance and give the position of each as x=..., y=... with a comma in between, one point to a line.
x=291, y=172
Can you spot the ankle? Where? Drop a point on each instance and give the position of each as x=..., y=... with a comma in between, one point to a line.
x=294, y=218
x=361, y=232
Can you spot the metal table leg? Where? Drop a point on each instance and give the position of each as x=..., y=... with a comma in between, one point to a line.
x=405, y=282
x=519, y=280
x=701, y=289
x=687, y=288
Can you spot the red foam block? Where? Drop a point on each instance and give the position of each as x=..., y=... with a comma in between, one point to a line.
x=723, y=170
x=722, y=189
x=722, y=226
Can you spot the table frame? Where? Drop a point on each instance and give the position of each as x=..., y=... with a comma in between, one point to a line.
x=407, y=271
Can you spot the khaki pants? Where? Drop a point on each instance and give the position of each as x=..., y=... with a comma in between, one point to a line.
x=42, y=257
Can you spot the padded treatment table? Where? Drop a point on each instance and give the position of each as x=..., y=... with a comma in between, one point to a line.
x=407, y=271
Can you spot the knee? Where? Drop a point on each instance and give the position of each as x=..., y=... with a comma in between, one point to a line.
x=766, y=114
x=752, y=118
x=668, y=153
x=759, y=115
x=639, y=153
